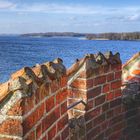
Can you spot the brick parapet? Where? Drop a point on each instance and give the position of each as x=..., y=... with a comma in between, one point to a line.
x=37, y=102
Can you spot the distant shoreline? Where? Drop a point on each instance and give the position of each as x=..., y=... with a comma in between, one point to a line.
x=132, y=36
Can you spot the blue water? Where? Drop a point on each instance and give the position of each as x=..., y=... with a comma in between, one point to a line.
x=17, y=52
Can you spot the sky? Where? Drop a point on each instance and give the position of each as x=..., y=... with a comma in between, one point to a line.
x=83, y=16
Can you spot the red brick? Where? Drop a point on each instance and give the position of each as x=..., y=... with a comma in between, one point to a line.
x=118, y=109
x=78, y=94
x=91, y=114
x=118, y=75
x=93, y=133
x=89, y=105
x=31, y=136
x=116, y=119
x=38, y=131
x=119, y=126
x=110, y=77
x=115, y=136
x=62, y=122
x=58, y=138
x=104, y=125
x=91, y=72
x=99, y=119
x=16, y=110
x=44, y=90
x=89, y=83
x=105, y=107
x=115, y=102
x=50, y=119
x=54, y=86
x=61, y=96
x=28, y=103
x=116, y=85
x=89, y=126
x=106, y=88
x=57, y=112
x=52, y=133
x=37, y=96
x=110, y=96
x=118, y=93
x=79, y=83
x=63, y=81
x=110, y=114
x=44, y=138
x=70, y=93
x=40, y=111
x=11, y=127
x=100, y=80
x=116, y=67
x=64, y=108
x=30, y=121
x=106, y=68
x=94, y=92
x=83, y=74
x=65, y=133
x=100, y=100
x=50, y=103
x=108, y=132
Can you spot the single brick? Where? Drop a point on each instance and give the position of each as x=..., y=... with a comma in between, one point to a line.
x=99, y=119
x=110, y=114
x=110, y=77
x=94, y=92
x=93, y=113
x=100, y=80
x=110, y=96
x=63, y=81
x=118, y=74
x=61, y=96
x=64, y=108
x=118, y=93
x=106, y=88
x=54, y=86
x=116, y=85
x=105, y=107
x=100, y=100
x=115, y=102
x=50, y=103
x=116, y=67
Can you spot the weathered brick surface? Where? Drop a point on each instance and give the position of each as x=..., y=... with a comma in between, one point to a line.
x=102, y=115
x=11, y=127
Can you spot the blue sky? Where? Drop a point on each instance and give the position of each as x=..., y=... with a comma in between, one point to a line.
x=91, y=16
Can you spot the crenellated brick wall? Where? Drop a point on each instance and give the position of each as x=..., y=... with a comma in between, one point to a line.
x=107, y=113
x=89, y=101
x=35, y=107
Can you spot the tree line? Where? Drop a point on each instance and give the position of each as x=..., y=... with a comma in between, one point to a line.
x=115, y=36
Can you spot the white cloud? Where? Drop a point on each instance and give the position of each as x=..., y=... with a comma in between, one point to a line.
x=6, y=4
x=100, y=12
x=57, y=8
x=135, y=17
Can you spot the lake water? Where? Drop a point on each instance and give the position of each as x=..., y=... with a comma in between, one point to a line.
x=17, y=52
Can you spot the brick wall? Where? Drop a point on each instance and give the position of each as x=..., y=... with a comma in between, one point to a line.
x=88, y=102
x=36, y=106
x=98, y=83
